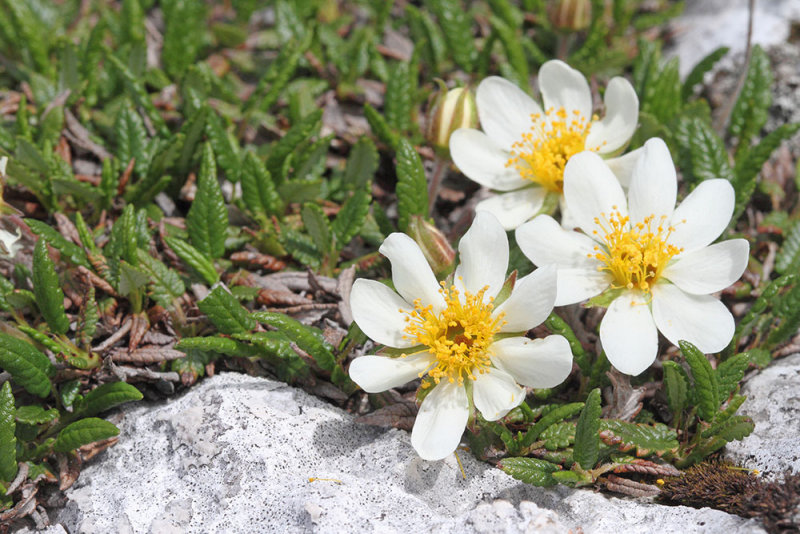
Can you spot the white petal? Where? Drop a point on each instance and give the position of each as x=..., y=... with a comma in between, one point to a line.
x=530, y=302
x=654, y=185
x=495, y=394
x=412, y=277
x=544, y=241
x=703, y=215
x=537, y=363
x=619, y=123
x=482, y=160
x=568, y=222
x=504, y=110
x=699, y=319
x=564, y=87
x=380, y=312
x=592, y=192
x=483, y=255
x=710, y=269
x=379, y=373
x=515, y=207
x=440, y=421
x=578, y=284
x=628, y=334
x=623, y=166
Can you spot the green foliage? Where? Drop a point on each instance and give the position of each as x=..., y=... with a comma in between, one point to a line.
x=705, y=381
x=224, y=310
x=28, y=367
x=750, y=111
x=194, y=259
x=105, y=397
x=258, y=189
x=587, y=438
x=530, y=470
x=695, y=77
x=47, y=288
x=457, y=29
x=8, y=443
x=207, y=219
x=788, y=257
x=643, y=439
x=83, y=432
x=412, y=187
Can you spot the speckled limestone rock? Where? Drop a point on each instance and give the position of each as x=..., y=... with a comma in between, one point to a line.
x=235, y=454
x=773, y=401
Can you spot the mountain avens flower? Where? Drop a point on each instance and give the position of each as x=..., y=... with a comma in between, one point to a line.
x=470, y=345
x=523, y=147
x=654, y=262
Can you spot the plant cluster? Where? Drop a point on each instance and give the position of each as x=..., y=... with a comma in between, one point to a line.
x=193, y=186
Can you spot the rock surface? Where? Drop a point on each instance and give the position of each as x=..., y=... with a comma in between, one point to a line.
x=773, y=401
x=235, y=454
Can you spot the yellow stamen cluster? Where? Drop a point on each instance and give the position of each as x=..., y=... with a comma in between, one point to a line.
x=634, y=255
x=543, y=152
x=458, y=336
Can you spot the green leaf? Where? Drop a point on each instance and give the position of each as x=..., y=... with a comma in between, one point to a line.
x=298, y=133
x=663, y=92
x=224, y=310
x=705, y=381
x=67, y=248
x=558, y=436
x=132, y=140
x=83, y=432
x=530, y=470
x=185, y=22
x=274, y=81
x=276, y=348
x=412, y=186
x=28, y=367
x=207, y=220
x=676, y=386
x=426, y=33
x=735, y=428
x=258, y=189
x=730, y=373
x=135, y=88
x=166, y=151
x=35, y=415
x=730, y=410
x=699, y=71
x=224, y=149
x=399, y=97
x=351, y=217
x=456, y=25
x=550, y=418
x=512, y=43
x=703, y=149
x=750, y=160
x=317, y=226
x=193, y=365
x=587, y=437
x=131, y=279
x=8, y=442
x=300, y=246
x=194, y=259
x=165, y=284
x=787, y=310
x=751, y=109
x=362, y=164
x=105, y=397
x=221, y=345
x=69, y=392
x=192, y=130
x=47, y=288
x=380, y=127
x=645, y=439
x=788, y=257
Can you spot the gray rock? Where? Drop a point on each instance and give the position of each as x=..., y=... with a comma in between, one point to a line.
x=773, y=401
x=236, y=454
x=705, y=25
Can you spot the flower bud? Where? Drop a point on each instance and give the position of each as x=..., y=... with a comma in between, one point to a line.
x=450, y=110
x=434, y=245
x=571, y=15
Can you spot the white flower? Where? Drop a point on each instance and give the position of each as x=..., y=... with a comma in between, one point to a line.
x=9, y=243
x=3, y=163
x=659, y=258
x=454, y=334
x=522, y=149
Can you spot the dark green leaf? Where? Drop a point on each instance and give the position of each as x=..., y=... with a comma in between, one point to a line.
x=185, y=22
x=558, y=436
x=69, y=392
x=703, y=150
x=224, y=149
x=107, y=396
x=530, y=470
x=456, y=25
x=512, y=43
x=380, y=127
x=192, y=130
x=550, y=418
x=35, y=415
x=361, y=164
x=412, y=186
x=788, y=258
x=207, y=220
x=224, y=310
x=47, y=288
x=83, y=432
x=258, y=189
x=705, y=381
x=730, y=373
x=351, y=217
x=28, y=367
x=587, y=438
x=676, y=386
x=645, y=439
x=8, y=442
x=165, y=284
x=663, y=92
x=699, y=71
x=399, y=97
x=132, y=140
x=194, y=259
x=297, y=134
x=277, y=76
x=221, y=345
x=317, y=226
x=276, y=348
x=751, y=109
x=67, y=248
x=131, y=279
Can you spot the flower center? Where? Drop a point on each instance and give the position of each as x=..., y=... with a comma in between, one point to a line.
x=634, y=255
x=542, y=153
x=459, y=336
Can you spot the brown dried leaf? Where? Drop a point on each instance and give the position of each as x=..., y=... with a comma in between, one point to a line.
x=257, y=259
x=277, y=297
x=80, y=136
x=69, y=468
x=24, y=507
x=140, y=324
x=647, y=467
x=631, y=487
x=146, y=355
x=89, y=451
x=626, y=401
